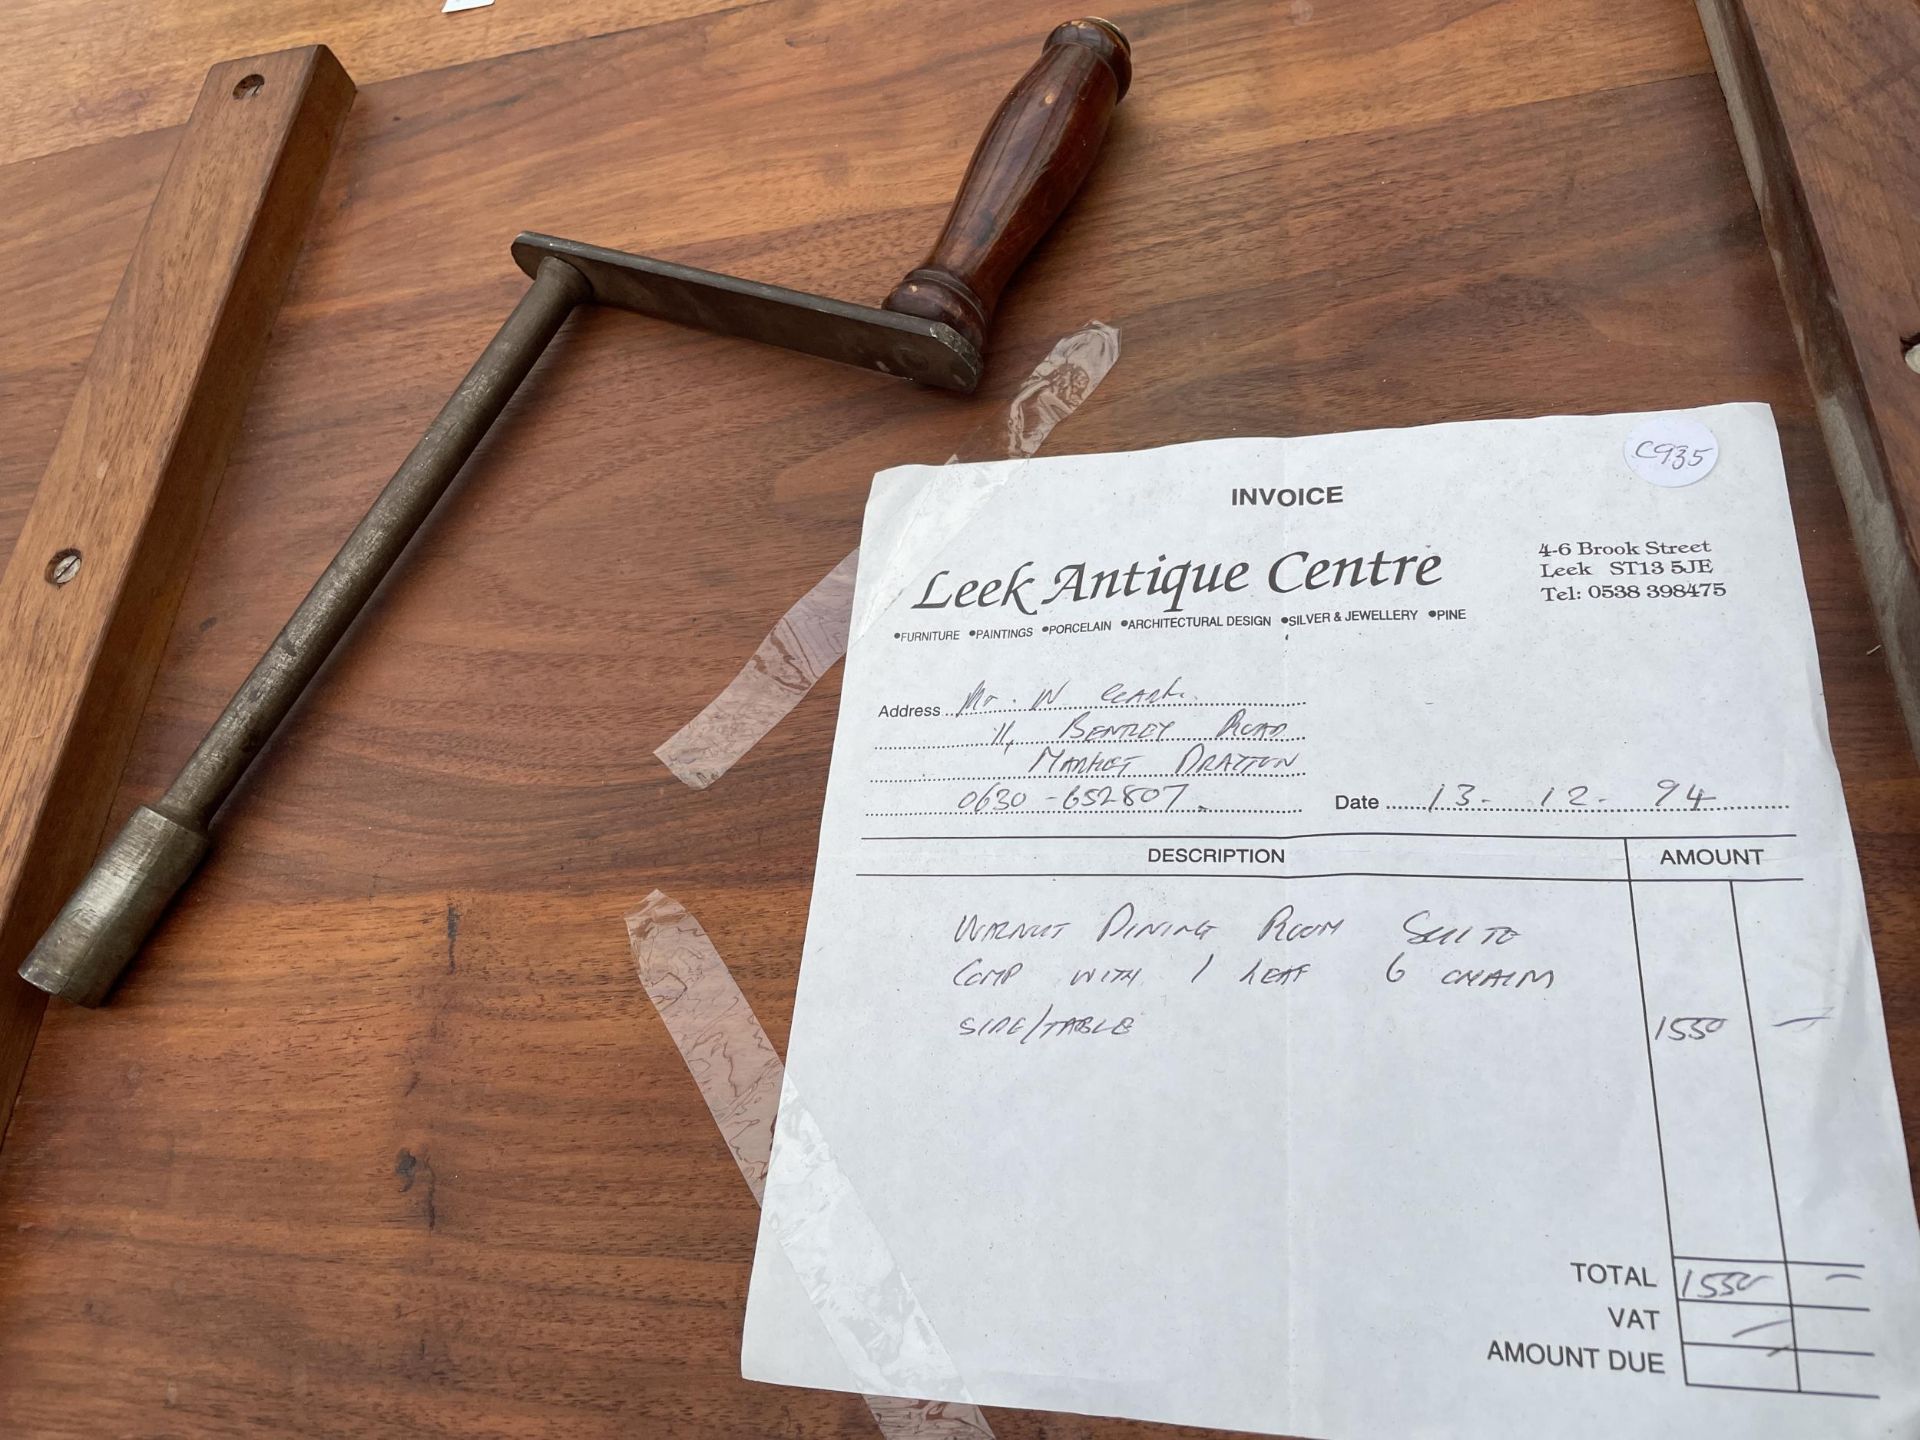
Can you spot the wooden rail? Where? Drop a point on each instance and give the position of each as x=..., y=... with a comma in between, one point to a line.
x=96, y=574
x=1825, y=100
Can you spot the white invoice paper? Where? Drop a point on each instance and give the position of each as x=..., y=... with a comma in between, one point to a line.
x=1347, y=936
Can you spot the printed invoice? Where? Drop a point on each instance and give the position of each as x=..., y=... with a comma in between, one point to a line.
x=1350, y=936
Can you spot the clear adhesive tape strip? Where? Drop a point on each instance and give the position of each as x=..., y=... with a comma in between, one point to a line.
x=811, y=638
x=740, y=1077
x=806, y=643
x=1059, y=385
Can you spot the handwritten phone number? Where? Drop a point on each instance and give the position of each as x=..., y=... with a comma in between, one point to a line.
x=1678, y=590
x=995, y=799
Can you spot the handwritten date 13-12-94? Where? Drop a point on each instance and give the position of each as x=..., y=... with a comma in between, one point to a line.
x=1661, y=795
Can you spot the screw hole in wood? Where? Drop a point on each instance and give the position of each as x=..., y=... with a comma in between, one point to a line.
x=64, y=565
x=249, y=86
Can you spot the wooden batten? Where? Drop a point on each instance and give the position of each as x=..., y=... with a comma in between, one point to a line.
x=97, y=571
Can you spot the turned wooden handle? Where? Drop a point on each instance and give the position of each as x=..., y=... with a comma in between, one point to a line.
x=1039, y=146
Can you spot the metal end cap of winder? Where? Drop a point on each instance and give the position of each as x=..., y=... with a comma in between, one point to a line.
x=101, y=928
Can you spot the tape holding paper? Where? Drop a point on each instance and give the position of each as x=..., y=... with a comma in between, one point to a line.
x=730, y=1057
x=806, y=643
x=839, y=1255
x=1060, y=385
x=927, y=1419
x=812, y=636
x=740, y=1078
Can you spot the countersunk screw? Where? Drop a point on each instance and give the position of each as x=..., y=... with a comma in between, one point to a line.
x=63, y=567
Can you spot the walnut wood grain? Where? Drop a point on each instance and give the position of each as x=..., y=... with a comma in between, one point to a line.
x=1825, y=99
x=95, y=577
x=1035, y=153
x=76, y=72
x=387, y=1139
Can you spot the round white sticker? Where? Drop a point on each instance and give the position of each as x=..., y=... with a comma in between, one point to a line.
x=1671, y=450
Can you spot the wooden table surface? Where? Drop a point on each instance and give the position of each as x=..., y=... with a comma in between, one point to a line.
x=382, y=1135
